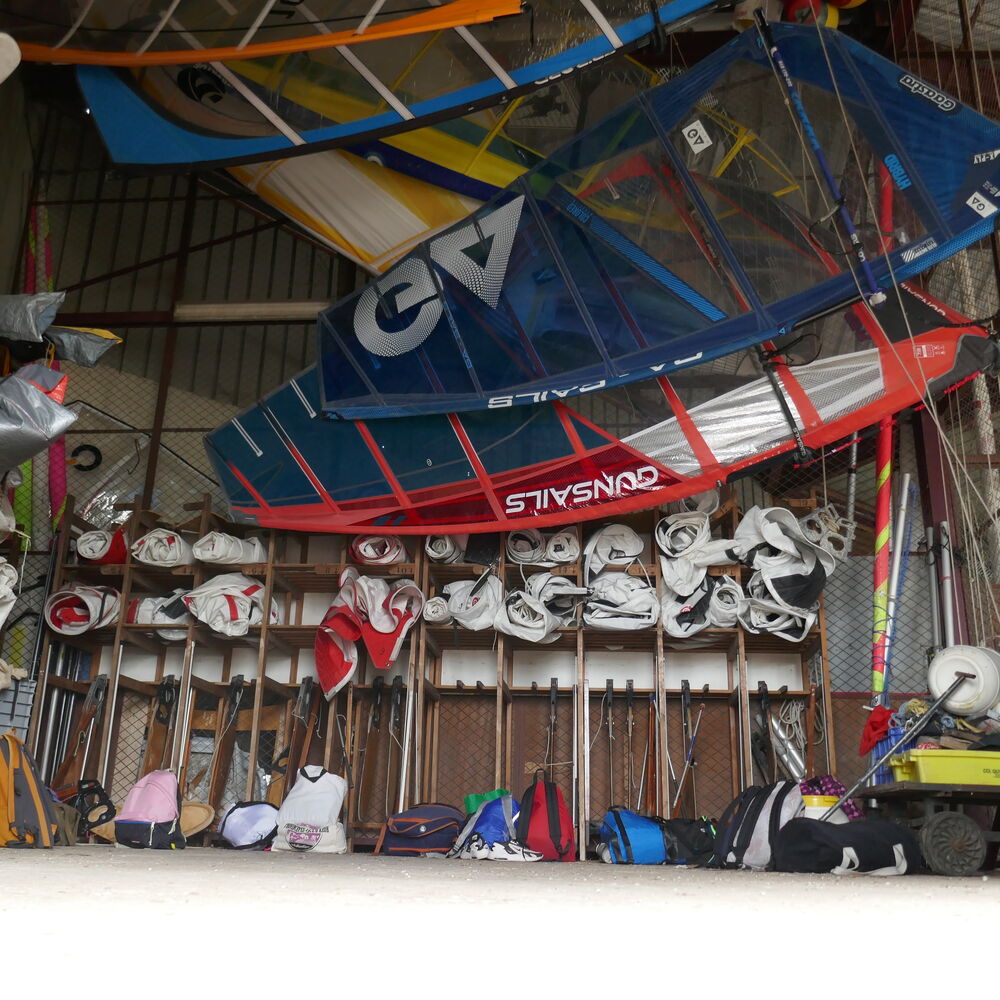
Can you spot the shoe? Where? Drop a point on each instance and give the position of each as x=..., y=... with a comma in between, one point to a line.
x=512, y=850
x=474, y=849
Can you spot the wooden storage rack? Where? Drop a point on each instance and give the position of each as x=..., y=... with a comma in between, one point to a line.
x=455, y=735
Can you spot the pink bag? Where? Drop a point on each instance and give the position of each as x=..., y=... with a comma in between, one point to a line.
x=153, y=799
x=150, y=816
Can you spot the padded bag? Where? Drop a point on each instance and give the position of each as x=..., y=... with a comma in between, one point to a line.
x=249, y=826
x=545, y=824
x=430, y=828
x=651, y=840
x=746, y=832
x=26, y=814
x=863, y=846
x=689, y=841
x=633, y=839
x=151, y=815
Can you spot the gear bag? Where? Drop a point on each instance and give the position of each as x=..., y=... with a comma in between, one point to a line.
x=545, y=824
x=632, y=839
x=151, y=815
x=430, y=828
x=249, y=826
x=745, y=834
x=27, y=818
x=865, y=846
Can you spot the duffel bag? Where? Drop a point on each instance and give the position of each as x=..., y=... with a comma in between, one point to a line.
x=430, y=828
x=864, y=846
x=650, y=840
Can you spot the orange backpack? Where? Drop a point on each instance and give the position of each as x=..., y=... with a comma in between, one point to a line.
x=27, y=818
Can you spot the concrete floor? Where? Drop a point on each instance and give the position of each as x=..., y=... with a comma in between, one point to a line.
x=221, y=913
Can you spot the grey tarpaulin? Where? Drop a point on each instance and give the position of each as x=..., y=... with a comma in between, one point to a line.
x=27, y=317
x=29, y=420
x=80, y=345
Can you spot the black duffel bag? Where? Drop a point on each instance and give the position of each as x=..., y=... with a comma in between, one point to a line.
x=865, y=846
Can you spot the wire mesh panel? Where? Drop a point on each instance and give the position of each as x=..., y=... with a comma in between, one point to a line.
x=610, y=753
x=709, y=787
x=539, y=744
x=466, y=751
x=134, y=711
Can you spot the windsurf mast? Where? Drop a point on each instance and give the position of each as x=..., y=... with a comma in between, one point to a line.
x=875, y=296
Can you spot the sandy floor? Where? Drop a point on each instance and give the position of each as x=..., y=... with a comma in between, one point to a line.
x=261, y=908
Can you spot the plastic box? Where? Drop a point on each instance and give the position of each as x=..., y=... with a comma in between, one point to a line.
x=947, y=767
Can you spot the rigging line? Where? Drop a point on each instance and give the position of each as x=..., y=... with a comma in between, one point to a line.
x=258, y=21
x=75, y=26
x=960, y=476
x=874, y=294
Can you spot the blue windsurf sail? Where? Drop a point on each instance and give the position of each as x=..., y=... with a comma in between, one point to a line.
x=691, y=223
x=237, y=111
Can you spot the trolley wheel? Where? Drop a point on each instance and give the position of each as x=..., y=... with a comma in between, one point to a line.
x=952, y=844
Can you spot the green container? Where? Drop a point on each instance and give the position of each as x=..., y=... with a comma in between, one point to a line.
x=473, y=802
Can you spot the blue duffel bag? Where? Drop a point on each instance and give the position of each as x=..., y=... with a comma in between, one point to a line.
x=631, y=839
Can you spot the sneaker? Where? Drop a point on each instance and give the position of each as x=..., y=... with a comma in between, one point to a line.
x=512, y=850
x=474, y=849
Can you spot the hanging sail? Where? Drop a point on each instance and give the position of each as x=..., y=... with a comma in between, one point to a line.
x=185, y=32
x=377, y=201
x=242, y=109
x=603, y=453
x=691, y=223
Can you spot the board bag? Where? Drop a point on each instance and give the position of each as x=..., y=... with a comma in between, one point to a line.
x=26, y=814
x=545, y=824
x=745, y=834
x=151, y=815
x=631, y=839
x=429, y=828
x=863, y=846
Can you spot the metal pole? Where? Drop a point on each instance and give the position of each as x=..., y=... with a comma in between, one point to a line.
x=932, y=586
x=883, y=499
x=852, y=480
x=947, y=585
x=897, y=559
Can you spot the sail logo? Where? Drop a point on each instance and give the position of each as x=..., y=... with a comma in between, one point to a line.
x=987, y=157
x=941, y=101
x=919, y=249
x=588, y=491
x=897, y=172
x=411, y=284
x=980, y=205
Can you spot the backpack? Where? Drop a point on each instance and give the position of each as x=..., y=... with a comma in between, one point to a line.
x=865, y=846
x=430, y=828
x=26, y=815
x=249, y=826
x=632, y=839
x=309, y=818
x=494, y=820
x=745, y=834
x=151, y=815
x=545, y=824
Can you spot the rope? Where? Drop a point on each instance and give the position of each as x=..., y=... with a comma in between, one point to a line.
x=960, y=476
